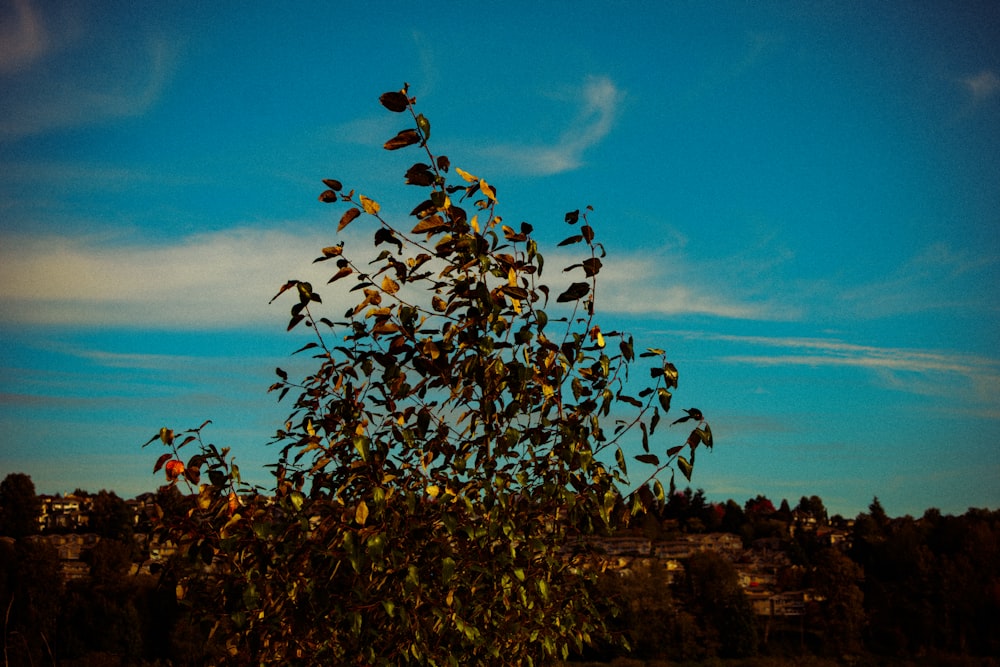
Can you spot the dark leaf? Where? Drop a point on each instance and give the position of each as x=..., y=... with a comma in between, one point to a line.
x=160, y=461
x=328, y=196
x=591, y=266
x=574, y=292
x=402, y=140
x=571, y=240
x=394, y=101
x=420, y=174
x=443, y=163
x=588, y=233
x=665, y=397
x=572, y=217
x=674, y=450
x=333, y=184
x=651, y=459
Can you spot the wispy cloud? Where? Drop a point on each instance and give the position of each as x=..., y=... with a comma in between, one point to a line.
x=23, y=38
x=983, y=85
x=224, y=280
x=931, y=280
x=598, y=101
x=927, y=372
x=51, y=102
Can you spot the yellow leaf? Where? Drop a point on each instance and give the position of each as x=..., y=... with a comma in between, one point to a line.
x=433, y=490
x=361, y=513
x=469, y=178
x=389, y=286
x=512, y=277
x=600, y=339
x=475, y=223
x=371, y=206
x=487, y=190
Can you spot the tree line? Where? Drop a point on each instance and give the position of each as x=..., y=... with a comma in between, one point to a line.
x=901, y=588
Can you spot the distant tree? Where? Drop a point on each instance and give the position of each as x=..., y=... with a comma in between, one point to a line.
x=813, y=506
x=784, y=512
x=20, y=507
x=32, y=594
x=837, y=580
x=464, y=423
x=111, y=517
x=713, y=592
x=759, y=507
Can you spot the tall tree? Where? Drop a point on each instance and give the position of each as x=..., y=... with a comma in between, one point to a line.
x=453, y=440
x=19, y=506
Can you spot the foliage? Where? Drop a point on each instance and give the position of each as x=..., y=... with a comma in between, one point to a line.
x=465, y=421
x=19, y=506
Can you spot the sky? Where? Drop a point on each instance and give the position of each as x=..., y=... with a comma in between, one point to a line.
x=800, y=203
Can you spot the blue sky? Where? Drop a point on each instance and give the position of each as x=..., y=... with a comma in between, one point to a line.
x=801, y=202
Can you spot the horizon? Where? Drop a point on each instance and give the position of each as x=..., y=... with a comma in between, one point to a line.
x=799, y=203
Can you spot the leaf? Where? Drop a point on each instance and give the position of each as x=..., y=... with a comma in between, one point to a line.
x=674, y=450
x=370, y=205
x=706, y=436
x=361, y=513
x=574, y=292
x=466, y=176
x=333, y=184
x=328, y=196
x=394, y=101
x=572, y=217
x=389, y=286
x=349, y=216
x=160, y=461
x=665, y=397
x=588, y=233
x=487, y=190
x=591, y=266
x=570, y=240
x=403, y=139
x=651, y=459
x=670, y=375
x=425, y=126
x=430, y=225
x=685, y=467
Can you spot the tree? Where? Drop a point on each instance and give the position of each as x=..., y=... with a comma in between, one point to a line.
x=111, y=517
x=836, y=579
x=19, y=506
x=464, y=423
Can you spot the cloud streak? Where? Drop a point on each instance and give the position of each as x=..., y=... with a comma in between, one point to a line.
x=224, y=280
x=58, y=104
x=598, y=100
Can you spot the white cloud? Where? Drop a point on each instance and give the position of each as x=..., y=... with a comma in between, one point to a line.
x=225, y=279
x=927, y=372
x=598, y=101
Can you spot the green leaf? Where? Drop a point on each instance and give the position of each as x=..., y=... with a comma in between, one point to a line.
x=685, y=467
x=425, y=126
